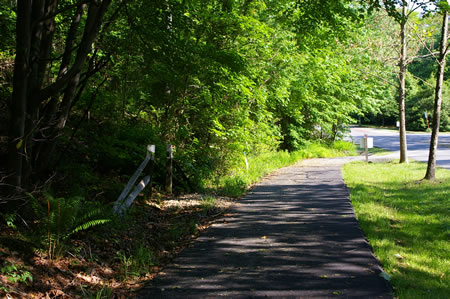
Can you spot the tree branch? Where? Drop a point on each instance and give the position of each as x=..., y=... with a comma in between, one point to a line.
x=59, y=11
x=91, y=102
x=431, y=53
x=92, y=27
x=411, y=59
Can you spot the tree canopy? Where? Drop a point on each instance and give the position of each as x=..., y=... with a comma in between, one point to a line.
x=94, y=81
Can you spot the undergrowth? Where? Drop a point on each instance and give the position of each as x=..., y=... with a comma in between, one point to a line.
x=58, y=219
x=131, y=247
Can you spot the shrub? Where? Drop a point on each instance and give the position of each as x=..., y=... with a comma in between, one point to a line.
x=59, y=218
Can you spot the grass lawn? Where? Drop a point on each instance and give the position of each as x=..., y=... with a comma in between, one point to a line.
x=407, y=223
x=378, y=151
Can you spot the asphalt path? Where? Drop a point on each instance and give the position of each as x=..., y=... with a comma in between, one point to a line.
x=418, y=143
x=294, y=235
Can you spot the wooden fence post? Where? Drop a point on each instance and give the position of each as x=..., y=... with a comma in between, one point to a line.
x=169, y=157
x=123, y=202
x=151, y=167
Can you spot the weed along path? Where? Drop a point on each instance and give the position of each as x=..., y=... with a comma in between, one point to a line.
x=294, y=235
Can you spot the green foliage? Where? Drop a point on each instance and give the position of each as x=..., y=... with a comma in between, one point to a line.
x=9, y=218
x=177, y=231
x=7, y=25
x=144, y=258
x=406, y=221
x=423, y=37
x=214, y=98
x=234, y=186
x=59, y=218
x=101, y=164
x=344, y=146
x=421, y=101
x=215, y=79
x=16, y=273
x=126, y=263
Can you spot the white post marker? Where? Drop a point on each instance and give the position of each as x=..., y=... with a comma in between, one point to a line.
x=366, y=143
x=246, y=161
x=151, y=149
x=366, y=148
x=169, y=158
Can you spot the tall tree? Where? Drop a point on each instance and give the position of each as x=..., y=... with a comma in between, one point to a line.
x=443, y=50
x=42, y=97
x=402, y=84
x=401, y=11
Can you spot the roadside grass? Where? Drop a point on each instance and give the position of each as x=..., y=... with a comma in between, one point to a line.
x=407, y=223
x=239, y=178
x=378, y=151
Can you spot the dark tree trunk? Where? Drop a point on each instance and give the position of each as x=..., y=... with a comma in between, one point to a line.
x=16, y=153
x=59, y=117
x=431, y=168
x=41, y=43
x=33, y=116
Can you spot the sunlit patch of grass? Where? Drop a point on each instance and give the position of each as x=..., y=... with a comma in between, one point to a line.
x=407, y=223
x=378, y=151
x=208, y=204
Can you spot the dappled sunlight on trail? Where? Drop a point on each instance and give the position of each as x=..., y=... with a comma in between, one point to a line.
x=294, y=234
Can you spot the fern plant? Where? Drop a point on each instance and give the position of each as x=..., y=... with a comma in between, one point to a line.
x=61, y=217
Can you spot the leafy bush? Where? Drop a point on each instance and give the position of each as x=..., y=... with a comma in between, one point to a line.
x=101, y=163
x=343, y=146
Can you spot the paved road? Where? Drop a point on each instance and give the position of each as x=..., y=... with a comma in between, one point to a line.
x=418, y=143
x=294, y=235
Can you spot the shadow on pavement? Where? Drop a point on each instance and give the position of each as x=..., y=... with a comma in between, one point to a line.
x=292, y=236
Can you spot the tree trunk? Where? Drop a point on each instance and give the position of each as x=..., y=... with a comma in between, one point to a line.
x=431, y=168
x=19, y=95
x=59, y=118
x=402, y=90
x=41, y=44
x=29, y=116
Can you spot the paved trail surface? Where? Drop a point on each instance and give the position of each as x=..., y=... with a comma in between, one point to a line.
x=294, y=235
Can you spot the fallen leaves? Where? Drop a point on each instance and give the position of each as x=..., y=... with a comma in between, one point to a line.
x=91, y=266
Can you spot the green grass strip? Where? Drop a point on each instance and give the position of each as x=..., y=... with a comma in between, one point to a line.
x=407, y=223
